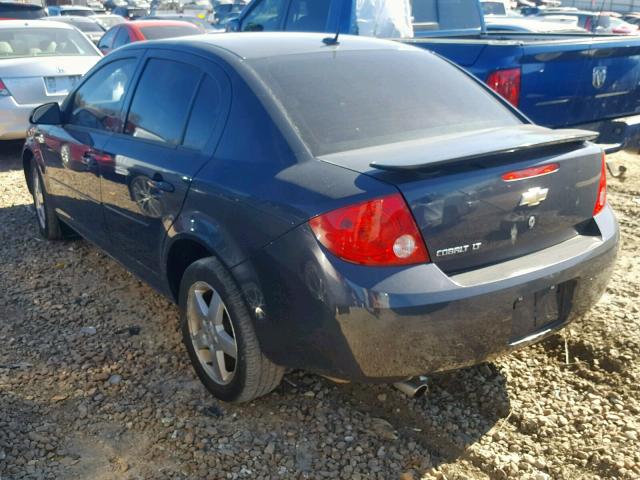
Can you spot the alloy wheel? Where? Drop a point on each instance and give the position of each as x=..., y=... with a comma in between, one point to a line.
x=211, y=333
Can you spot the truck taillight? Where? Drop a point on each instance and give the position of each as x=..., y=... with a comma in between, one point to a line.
x=601, y=199
x=378, y=232
x=507, y=84
x=4, y=91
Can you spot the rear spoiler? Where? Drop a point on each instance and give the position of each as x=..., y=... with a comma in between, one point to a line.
x=476, y=144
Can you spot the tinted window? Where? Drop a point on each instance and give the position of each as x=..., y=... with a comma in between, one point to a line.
x=266, y=16
x=308, y=15
x=161, y=102
x=98, y=101
x=446, y=14
x=344, y=100
x=107, y=38
x=205, y=114
x=77, y=13
x=168, y=31
x=27, y=12
x=122, y=38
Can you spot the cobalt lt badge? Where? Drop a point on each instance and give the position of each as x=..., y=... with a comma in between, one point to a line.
x=599, y=77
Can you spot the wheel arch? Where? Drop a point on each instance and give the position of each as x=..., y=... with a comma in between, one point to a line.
x=27, y=157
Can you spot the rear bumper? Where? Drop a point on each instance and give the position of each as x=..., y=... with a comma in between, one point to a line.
x=617, y=134
x=315, y=312
x=14, y=119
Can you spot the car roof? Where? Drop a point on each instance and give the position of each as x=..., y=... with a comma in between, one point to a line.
x=34, y=24
x=249, y=45
x=70, y=19
x=73, y=7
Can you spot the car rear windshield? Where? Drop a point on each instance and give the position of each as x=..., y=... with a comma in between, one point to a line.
x=39, y=42
x=77, y=13
x=87, y=26
x=21, y=12
x=169, y=31
x=345, y=100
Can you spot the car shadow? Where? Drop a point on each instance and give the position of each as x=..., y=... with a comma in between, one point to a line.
x=459, y=409
x=10, y=155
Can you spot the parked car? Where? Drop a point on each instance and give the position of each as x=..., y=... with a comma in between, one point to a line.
x=92, y=29
x=75, y=10
x=107, y=20
x=294, y=215
x=139, y=30
x=202, y=25
x=40, y=61
x=23, y=11
x=130, y=13
x=530, y=72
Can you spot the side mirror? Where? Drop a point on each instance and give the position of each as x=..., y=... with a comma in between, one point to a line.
x=232, y=25
x=47, y=114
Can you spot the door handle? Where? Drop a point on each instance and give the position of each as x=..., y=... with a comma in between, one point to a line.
x=160, y=185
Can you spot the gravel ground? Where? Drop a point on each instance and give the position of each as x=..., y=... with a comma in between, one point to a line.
x=94, y=383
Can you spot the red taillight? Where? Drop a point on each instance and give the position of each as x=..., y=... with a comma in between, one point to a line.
x=4, y=91
x=376, y=232
x=531, y=172
x=506, y=83
x=601, y=199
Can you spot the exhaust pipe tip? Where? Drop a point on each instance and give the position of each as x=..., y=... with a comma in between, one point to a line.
x=413, y=388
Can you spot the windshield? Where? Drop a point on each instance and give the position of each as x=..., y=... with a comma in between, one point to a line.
x=168, y=31
x=40, y=42
x=343, y=100
x=77, y=13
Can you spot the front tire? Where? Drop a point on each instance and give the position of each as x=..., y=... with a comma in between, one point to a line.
x=48, y=223
x=218, y=333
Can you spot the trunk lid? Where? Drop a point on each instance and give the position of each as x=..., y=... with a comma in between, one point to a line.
x=25, y=77
x=468, y=214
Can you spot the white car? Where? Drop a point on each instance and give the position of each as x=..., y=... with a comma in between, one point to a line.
x=39, y=62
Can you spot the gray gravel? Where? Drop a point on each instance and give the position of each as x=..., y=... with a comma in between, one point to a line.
x=94, y=383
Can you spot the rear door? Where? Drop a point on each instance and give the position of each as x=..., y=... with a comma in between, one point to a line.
x=175, y=117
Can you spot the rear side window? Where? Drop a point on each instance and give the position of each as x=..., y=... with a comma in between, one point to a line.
x=308, y=16
x=341, y=101
x=206, y=112
x=160, y=105
x=98, y=101
x=265, y=17
x=171, y=31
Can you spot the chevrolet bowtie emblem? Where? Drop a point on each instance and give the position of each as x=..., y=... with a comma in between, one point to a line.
x=534, y=196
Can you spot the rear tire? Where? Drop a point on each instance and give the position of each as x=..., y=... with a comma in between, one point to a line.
x=49, y=225
x=218, y=334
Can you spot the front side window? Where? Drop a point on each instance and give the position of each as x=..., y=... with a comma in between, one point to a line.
x=97, y=103
x=265, y=17
x=160, y=105
x=107, y=39
x=308, y=16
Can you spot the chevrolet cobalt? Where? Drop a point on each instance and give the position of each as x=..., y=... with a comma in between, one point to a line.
x=355, y=207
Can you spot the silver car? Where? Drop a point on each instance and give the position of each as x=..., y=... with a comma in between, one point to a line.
x=39, y=62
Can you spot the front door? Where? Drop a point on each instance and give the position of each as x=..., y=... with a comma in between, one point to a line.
x=176, y=111
x=74, y=151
